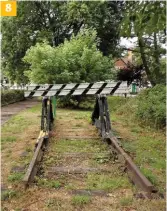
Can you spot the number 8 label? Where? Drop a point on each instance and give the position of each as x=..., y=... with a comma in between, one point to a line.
x=8, y=8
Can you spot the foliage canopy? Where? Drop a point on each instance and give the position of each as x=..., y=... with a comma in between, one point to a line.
x=55, y=21
x=147, y=21
x=77, y=60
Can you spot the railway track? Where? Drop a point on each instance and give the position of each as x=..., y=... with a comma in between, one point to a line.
x=81, y=159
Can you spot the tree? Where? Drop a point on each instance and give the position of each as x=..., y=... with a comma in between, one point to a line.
x=104, y=16
x=54, y=22
x=20, y=33
x=77, y=60
x=147, y=21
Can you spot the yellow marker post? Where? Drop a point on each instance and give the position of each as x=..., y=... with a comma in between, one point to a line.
x=8, y=8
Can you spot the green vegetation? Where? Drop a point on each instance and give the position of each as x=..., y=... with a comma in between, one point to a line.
x=146, y=145
x=77, y=60
x=150, y=175
x=106, y=182
x=78, y=146
x=70, y=186
x=14, y=125
x=8, y=194
x=141, y=139
x=79, y=200
x=11, y=96
x=18, y=123
x=77, y=102
x=126, y=201
x=102, y=158
x=36, y=109
x=15, y=177
x=150, y=33
x=17, y=137
x=8, y=139
x=48, y=183
x=151, y=106
x=54, y=22
x=54, y=203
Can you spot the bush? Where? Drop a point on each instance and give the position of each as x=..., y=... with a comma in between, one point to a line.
x=149, y=107
x=78, y=102
x=152, y=106
x=76, y=60
x=11, y=96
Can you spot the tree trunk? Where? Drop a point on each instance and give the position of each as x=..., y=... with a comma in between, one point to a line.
x=144, y=60
x=156, y=57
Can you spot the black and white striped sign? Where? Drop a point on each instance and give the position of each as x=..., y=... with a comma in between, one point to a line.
x=107, y=88
x=118, y=88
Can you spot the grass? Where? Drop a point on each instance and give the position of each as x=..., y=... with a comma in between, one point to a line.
x=8, y=139
x=107, y=182
x=53, y=203
x=16, y=137
x=16, y=124
x=79, y=200
x=48, y=183
x=102, y=158
x=126, y=201
x=145, y=144
x=78, y=146
x=99, y=151
x=70, y=186
x=113, y=182
x=150, y=175
x=15, y=177
x=8, y=194
x=35, y=109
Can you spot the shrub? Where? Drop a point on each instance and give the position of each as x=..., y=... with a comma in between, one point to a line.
x=11, y=96
x=151, y=107
x=76, y=60
x=79, y=102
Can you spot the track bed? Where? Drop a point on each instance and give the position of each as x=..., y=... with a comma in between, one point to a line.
x=79, y=172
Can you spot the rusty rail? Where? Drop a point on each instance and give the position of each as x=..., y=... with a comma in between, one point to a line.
x=101, y=119
x=133, y=171
x=37, y=157
x=42, y=141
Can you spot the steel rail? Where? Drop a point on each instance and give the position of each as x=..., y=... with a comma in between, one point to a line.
x=101, y=119
x=37, y=157
x=42, y=141
x=133, y=171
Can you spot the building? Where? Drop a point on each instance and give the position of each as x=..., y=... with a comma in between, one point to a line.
x=122, y=62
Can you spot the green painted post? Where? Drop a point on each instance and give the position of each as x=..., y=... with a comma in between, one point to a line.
x=134, y=90
x=54, y=106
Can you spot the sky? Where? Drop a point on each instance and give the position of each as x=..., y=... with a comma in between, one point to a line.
x=128, y=42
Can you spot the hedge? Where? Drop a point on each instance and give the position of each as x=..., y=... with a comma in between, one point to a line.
x=11, y=96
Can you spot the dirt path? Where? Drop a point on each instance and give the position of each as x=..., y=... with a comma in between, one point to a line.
x=10, y=110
